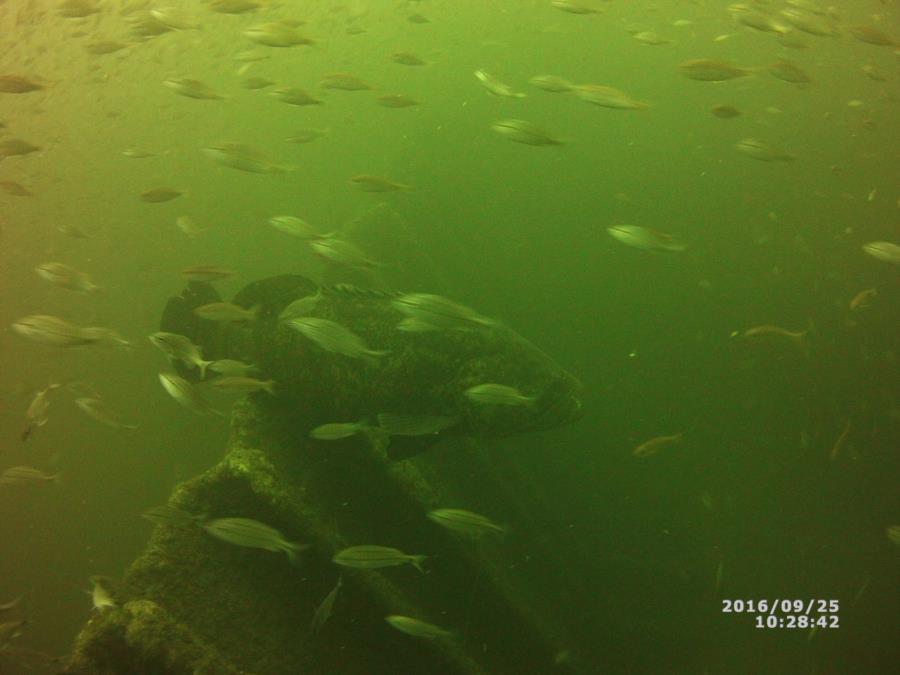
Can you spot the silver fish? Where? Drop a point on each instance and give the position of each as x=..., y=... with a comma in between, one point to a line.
x=574, y=7
x=10, y=630
x=108, y=336
x=181, y=348
x=521, y=131
x=225, y=311
x=883, y=250
x=607, y=97
x=375, y=557
x=52, y=330
x=341, y=252
x=276, y=35
x=333, y=337
x=175, y=18
x=12, y=604
x=645, y=238
x=239, y=384
x=186, y=394
x=498, y=394
x=102, y=593
x=231, y=367
x=68, y=277
x=296, y=227
x=495, y=86
x=709, y=70
x=395, y=424
x=252, y=534
x=191, y=88
x=99, y=411
x=243, y=158
x=189, y=226
x=551, y=83
x=171, y=515
x=306, y=135
x=37, y=413
x=26, y=475
x=439, y=312
x=325, y=608
x=763, y=151
x=466, y=522
x=294, y=96
x=417, y=628
x=301, y=306
x=335, y=431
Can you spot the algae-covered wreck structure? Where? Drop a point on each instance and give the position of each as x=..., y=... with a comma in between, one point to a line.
x=192, y=604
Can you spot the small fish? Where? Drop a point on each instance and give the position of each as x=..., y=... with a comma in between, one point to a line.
x=873, y=73
x=763, y=331
x=765, y=152
x=341, y=252
x=72, y=231
x=171, y=515
x=26, y=475
x=67, y=277
x=863, y=299
x=99, y=411
x=18, y=84
x=521, y=131
x=841, y=441
x=276, y=35
x=791, y=40
x=186, y=394
x=574, y=7
x=108, y=336
x=102, y=593
x=333, y=337
x=646, y=238
x=883, y=250
x=439, y=312
x=161, y=194
x=254, y=83
x=368, y=183
x=551, y=83
x=37, y=413
x=417, y=628
x=16, y=147
x=225, y=311
x=396, y=101
x=253, y=534
x=243, y=158
x=755, y=19
x=344, y=81
x=77, y=9
x=232, y=367
x=307, y=135
x=725, y=112
x=607, y=97
x=407, y=59
x=9, y=630
x=15, y=189
x=181, y=348
x=871, y=36
x=192, y=89
x=375, y=557
x=12, y=604
x=175, y=18
x=396, y=424
x=498, y=394
x=52, y=330
x=239, y=384
x=649, y=37
x=789, y=72
x=296, y=227
x=102, y=47
x=300, y=307
x=294, y=96
x=709, y=70
x=893, y=534
x=325, y=608
x=207, y=273
x=495, y=86
x=236, y=6
x=417, y=18
x=336, y=431
x=654, y=445
x=189, y=226
x=467, y=522
x=137, y=153
x=808, y=23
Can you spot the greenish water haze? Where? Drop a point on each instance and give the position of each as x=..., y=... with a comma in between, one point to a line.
x=519, y=233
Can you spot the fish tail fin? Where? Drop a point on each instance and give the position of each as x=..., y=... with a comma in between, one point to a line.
x=269, y=387
x=203, y=365
x=292, y=548
x=416, y=561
